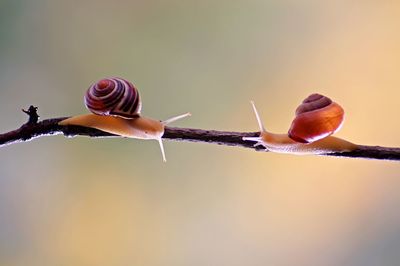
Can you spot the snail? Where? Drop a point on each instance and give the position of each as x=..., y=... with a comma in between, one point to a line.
x=316, y=119
x=115, y=105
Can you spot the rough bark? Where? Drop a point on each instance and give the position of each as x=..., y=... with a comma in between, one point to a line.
x=34, y=129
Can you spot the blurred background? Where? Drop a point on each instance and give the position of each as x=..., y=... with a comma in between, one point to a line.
x=85, y=201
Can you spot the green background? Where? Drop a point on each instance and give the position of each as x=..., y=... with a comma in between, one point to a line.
x=88, y=201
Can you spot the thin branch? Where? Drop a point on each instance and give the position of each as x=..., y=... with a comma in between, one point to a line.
x=33, y=129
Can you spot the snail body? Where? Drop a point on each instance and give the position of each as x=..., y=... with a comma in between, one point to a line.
x=115, y=107
x=138, y=128
x=316, y=119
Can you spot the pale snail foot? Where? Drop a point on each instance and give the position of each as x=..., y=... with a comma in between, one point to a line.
x=283, y=144
x=256, y=139
x=138, y=128
x=258, y=143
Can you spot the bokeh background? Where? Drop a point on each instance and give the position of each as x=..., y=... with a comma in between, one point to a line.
x=85, y=201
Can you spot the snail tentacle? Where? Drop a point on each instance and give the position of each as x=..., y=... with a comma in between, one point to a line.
x=162, y=149
x=258, y=117
x=175, y=118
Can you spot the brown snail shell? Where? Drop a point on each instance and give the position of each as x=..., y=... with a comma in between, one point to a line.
x=317, y=117
x=113, y=96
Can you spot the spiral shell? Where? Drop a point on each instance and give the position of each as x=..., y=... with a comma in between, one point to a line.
x=317, y=117
x=113, y=96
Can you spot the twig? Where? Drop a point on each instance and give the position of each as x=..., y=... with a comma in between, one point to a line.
x=34, y=129
x=32, y=113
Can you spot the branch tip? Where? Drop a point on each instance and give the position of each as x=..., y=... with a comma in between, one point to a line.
x=32, y=113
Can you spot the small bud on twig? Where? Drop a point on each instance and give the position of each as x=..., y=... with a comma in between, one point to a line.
x=33, y=116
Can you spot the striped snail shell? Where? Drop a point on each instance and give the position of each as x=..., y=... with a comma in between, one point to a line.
x=113, y=96
x=317, y=117
x=116, y=106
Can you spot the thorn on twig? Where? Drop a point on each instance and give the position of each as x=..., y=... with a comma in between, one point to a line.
x=33, y=116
